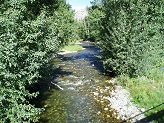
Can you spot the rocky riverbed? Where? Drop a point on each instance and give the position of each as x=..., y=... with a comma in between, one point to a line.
x=119, y=100
x=116, y=99
x=81, y=92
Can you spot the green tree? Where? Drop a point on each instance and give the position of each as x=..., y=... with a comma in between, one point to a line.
x=81, y=31
x=93, y=20
x=132, y=36
x=30, y=32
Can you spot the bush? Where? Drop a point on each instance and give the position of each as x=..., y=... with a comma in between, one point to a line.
x=93, y=21
x=30, y=32
x=132, y=46
x=132, y=34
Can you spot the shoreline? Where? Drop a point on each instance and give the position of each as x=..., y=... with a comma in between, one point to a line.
x=119, y=100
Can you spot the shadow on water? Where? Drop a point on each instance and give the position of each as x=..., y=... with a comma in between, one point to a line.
x=90, y=54
x=45, y=88
x=59, y=71
x=79, y=74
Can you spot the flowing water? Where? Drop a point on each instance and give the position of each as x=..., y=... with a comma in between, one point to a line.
x=79, y=74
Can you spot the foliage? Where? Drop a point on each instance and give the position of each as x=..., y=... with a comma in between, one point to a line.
x=65, y=25
x=89, y=28
x=30, y=32
x=93, y=20
x=131, y=42
x=132, y=36
x=81, y=29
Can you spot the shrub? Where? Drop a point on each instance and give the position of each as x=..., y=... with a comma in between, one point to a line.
x=93, y=20
x=30, y=32
x=132, y=34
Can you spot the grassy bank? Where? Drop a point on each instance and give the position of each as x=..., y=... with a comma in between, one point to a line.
x=147, y=93
x=73, y=47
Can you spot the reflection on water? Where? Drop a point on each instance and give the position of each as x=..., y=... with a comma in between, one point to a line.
x=79, y=74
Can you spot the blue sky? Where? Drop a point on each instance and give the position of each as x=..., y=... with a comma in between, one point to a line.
x=79, y=4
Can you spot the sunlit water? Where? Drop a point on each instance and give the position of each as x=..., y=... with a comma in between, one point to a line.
x=79, y=74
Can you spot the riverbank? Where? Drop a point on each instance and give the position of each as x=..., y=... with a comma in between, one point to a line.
x=147, y=92
x=72, y=48
x=78, y=74
x=116, y=98
x=119, y=100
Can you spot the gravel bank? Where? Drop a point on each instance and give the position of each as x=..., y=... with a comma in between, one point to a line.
x=66, y=52
x=63, y=52
x=119, y=100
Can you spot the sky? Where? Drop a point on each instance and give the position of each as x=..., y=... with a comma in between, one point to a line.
x=79, y=4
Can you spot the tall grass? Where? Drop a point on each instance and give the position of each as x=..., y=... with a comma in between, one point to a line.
x=147, y=92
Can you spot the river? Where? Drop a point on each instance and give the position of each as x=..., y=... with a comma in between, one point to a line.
x=79, y=74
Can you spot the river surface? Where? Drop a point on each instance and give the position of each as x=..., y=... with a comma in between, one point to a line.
x=79, y=74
